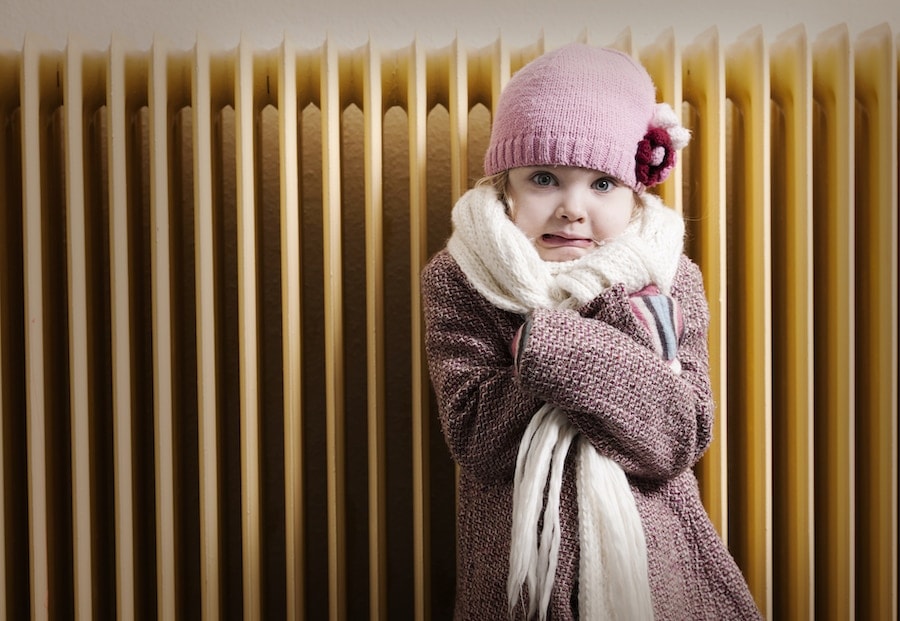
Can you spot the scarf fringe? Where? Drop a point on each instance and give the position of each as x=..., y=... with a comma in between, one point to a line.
x=614, y=553
x=533, y=563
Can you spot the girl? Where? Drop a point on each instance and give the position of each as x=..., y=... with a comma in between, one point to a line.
x=566, y=340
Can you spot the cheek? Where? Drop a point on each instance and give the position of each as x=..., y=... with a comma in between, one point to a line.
x=626, y=216
x=614, y=221
x=529, y=229
x=526, y=216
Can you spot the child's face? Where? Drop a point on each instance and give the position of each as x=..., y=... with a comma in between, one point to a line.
x=568, y=211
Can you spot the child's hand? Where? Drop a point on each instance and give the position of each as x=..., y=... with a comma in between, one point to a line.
x=661, y=316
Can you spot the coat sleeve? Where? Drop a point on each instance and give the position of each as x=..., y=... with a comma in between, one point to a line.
x=596, y=364
x=483, y=408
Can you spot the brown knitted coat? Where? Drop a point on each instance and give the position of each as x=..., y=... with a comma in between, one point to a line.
x=595, y=363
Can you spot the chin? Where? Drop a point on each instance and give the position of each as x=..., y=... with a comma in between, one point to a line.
x=560, y=255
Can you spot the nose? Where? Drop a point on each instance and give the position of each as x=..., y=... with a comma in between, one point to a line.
x=570, y=207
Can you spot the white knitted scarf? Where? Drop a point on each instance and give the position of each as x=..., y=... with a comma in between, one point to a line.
x=504, y=266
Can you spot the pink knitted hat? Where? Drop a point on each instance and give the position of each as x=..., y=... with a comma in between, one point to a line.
x=588, y=107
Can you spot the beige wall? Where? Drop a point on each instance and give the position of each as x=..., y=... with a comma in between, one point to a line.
x=394, y=23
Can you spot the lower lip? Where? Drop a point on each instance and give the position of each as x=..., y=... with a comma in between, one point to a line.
x=555, y=241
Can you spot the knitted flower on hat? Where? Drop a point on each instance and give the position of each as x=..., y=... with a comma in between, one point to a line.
x=656, y=153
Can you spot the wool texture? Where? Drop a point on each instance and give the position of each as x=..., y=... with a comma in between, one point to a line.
x=595, y=362
x=504, y=266
x=588, y=107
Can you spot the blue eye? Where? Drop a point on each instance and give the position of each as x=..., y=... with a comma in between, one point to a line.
x=543, y=178
x=605, y=184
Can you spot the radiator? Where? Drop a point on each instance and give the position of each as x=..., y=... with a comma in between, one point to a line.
x=213, y=391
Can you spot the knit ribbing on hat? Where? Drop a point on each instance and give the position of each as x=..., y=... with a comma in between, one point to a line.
x=576, y=106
